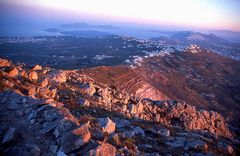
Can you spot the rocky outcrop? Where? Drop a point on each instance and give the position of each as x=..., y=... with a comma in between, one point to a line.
x=5, y=63
x=72, y=114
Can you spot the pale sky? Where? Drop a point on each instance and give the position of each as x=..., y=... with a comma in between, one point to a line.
x=213, y=14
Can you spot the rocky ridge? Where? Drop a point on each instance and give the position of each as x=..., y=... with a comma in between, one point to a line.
x=54, y=112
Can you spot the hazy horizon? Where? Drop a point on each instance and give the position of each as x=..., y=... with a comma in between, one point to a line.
x=188, y=14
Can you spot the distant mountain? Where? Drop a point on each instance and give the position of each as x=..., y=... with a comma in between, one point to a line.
x=53, y=30
x=87, y=26
x=87, y=33
x=229, y=35
x=196, y=37
x=209, y=41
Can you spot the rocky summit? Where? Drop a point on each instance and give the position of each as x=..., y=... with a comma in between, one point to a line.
x=47, y=111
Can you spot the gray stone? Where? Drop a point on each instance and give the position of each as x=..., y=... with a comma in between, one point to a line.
x=196, y=144
x=164, y=132
x=145, y=147
x=32, y=121
x=120, y=123
x=64, y=126
x=51, y=114
x=127, y=134
x=176, y=142
x=35, y=151
x=61, y=153
x=138, y=130
x=75, y=139
x=48, y=126
x=13, y=105
x=11, y=136
x=53, y=148
x=31, y=116
x=24, y=100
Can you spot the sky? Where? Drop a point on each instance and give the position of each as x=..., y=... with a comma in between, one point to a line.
x=205, y=14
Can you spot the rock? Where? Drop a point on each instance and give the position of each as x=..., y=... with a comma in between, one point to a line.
x=176, y=142
x=8, y=84
x=49, y=126
x=230, y=150
x=91, y=145
x=17, y=150
x=105, y=95
x=13, y=73
x=138, y=130
x=184, y=115
x=76, y=139
x=24, y=100
x=127, y=134
x=58, y=76
x=24, y=74
x=53, y=93
x=37, y=67
x=44, y=83
x=61, y=153
x=145, y=147
x=35, y=151
x=14, y=106
x=4, y=63
x=45, y=71
x=32, y=90
x=136, y=109
x=120, y=123
x=51, y=115
x=164, y=132
x=107, y=125
x=226, y=148
x=103, y=150
x=87, y=88
x=124, y=108
x=64, y=126
x=31, y=116
x=83, y=102
x=196, y=144
x=11, y=136
x=53, y=148
x=33, y=76
x=133, y=109
x=116, y=140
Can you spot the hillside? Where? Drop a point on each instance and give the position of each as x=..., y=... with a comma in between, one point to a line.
x=197, y=76
x=55, y=112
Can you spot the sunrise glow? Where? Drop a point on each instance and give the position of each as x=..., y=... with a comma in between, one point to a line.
x=219, y=14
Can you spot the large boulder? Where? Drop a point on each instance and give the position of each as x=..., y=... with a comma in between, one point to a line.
x=33, y=76
x=75, y=139
x=13, y=73
x=107, y=125
x=58, y=76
